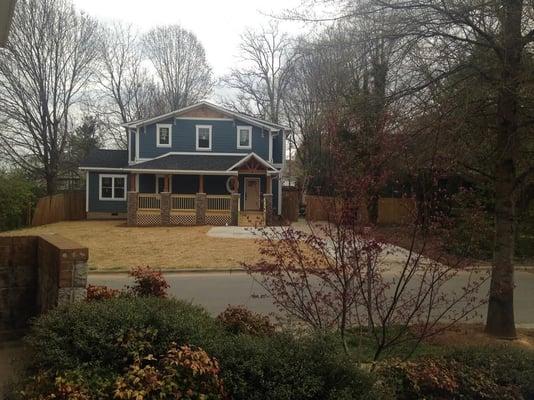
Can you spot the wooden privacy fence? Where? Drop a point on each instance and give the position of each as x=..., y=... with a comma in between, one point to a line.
x=290, y=204
x=67, y=206
x=391, y=211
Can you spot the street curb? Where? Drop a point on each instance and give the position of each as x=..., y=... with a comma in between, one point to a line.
x=170, y=270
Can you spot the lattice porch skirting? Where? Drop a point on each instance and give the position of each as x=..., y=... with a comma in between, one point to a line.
x=183, y=218
x=148, y=218
x=218, y=218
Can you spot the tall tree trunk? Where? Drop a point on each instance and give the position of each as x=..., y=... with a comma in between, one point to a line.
x=500, y=319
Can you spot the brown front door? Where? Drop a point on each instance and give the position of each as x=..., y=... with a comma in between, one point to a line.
x=252, y=193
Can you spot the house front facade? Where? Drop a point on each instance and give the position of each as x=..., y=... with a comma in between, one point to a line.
x=202, y=164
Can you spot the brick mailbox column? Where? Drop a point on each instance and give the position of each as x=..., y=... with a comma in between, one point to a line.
x=165, y=205
x=62, y=272
x=234, y=209
x=132, y=203
x=268, y=204
x=201, y=204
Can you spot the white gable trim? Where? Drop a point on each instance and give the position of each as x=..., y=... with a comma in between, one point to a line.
x=257, y=157
x=176, y=113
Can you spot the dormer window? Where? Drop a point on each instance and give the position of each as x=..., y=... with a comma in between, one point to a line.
x=244, y=137
x=203, y=137
x=164, y=138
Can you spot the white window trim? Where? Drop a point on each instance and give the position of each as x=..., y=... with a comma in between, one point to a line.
x=112, y=176
x=249, y=129
x=158, y=127
x=156, y=189
x=198, y=127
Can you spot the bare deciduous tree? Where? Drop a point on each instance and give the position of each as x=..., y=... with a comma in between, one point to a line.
x=44, y=67
x=261, y=82
x=181, y=65
x=129, y=91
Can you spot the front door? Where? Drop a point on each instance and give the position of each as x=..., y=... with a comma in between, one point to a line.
x=252, y=193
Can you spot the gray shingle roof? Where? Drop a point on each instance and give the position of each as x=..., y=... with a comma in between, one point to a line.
x=189, y=162
x=104, y=158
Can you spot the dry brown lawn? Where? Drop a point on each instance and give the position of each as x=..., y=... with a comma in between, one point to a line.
x=113, y=245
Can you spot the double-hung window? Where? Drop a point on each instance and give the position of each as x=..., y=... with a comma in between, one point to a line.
x=164, y=137
x=244, y=137
x=112, y=187
x=203, y=137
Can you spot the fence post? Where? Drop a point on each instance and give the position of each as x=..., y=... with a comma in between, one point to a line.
x=165, y=208
x=200, y=205
x=234, y=209
x=132, y=204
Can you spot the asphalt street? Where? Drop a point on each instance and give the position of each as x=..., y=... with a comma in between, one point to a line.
x=216, y=290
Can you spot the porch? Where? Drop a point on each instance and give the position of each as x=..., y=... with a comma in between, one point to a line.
x=252, y=207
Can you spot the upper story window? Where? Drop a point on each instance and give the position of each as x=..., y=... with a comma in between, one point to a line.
x=203, y=137
x=112, y=187
x=244, y=137
x=164, y=137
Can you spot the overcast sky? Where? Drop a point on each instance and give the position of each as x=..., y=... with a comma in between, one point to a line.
x=217, y=24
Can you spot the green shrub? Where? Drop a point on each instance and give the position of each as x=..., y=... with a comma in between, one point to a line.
x=90, y=333
x=436, y=378
x=17, y=192
x=103, y=346
x=281, y=367
x=506, y=365
x=237, y=319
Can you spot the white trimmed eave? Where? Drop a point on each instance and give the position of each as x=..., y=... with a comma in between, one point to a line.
x=160, y=171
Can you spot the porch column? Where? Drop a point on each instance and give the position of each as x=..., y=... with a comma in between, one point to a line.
x=268, y=208
x=201, y=205
x=269, y=184
x=234, y=208
x=166, y=180
x=132, y=204
x=165, y=208
x=201, y=184
x=133, y=179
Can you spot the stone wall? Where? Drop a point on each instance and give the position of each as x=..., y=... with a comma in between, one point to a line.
x=37, y=274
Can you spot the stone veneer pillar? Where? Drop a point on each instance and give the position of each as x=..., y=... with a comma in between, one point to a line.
x=268, y=208
x=132, y=204
x=201, y=205
x=165, y=208
x=234, y=209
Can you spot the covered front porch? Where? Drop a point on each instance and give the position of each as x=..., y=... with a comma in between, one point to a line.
x=241, y=196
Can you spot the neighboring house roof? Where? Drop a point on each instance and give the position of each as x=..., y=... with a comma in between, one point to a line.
x=104, y=158
x=251, y=120
x=7, y=7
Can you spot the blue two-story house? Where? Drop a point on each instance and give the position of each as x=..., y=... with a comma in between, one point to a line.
x=202, y=164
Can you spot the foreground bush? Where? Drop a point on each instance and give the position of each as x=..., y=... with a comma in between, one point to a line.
x=282, y=367
x=148, y=282
x=436, y=378
x=237, y=319
x=96, y=293
x=93, y=333
x=506, y=365
x=113, y=346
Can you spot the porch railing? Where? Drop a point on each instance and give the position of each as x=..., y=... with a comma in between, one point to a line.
x=183, y=202
x=218, y=203
x=149, y=201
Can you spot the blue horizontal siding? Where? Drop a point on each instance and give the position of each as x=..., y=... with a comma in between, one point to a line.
x=224, y=138
x=96, y=205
